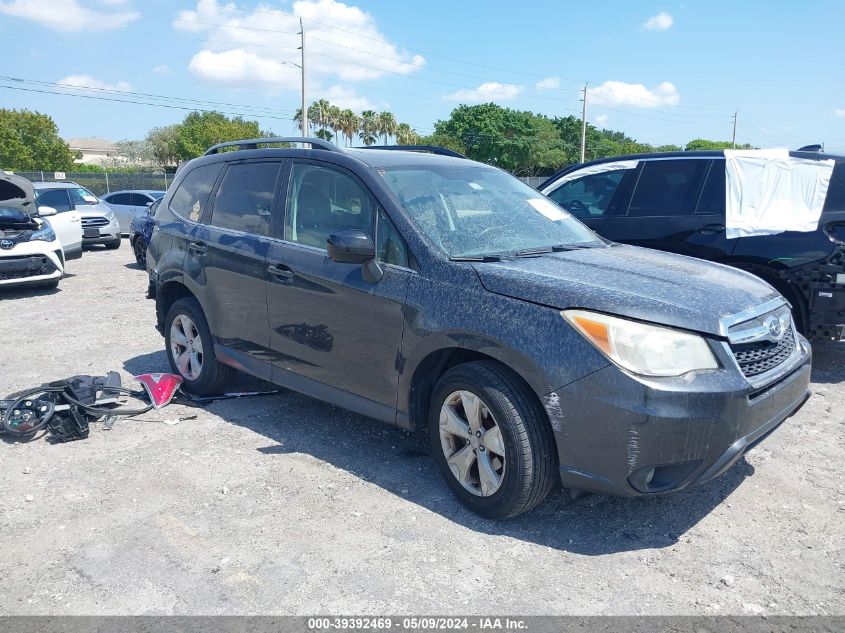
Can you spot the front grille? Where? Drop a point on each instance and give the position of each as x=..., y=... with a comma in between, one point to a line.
x=761, y=356
x=23, y=267
x=90, y=223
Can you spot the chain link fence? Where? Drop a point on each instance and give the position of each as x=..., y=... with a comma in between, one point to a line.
x=101, y=183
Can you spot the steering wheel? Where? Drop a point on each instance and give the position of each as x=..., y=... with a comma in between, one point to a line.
x=576, y=206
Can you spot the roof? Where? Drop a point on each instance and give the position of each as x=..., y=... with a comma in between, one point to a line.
x=64, y=184
x=149, y=191
x=386, y=159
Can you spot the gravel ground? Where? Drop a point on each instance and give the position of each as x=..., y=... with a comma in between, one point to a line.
x=285, y=505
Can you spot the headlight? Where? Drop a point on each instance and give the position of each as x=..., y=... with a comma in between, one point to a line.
x=649, y=350
x=44, y=234
x=109, y=215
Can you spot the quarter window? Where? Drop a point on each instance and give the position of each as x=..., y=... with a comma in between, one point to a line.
x=191, y=198
x=590, y=196
x=244, y=200
x=391, y=247
x=322, y=201
x=668, y=187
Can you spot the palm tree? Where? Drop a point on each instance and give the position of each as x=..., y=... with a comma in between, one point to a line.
x=334, y=121
x=349, y=124
x=369, y=127
x=386, y=125
x=324, y=134
x=405, y=135
x=298, y=118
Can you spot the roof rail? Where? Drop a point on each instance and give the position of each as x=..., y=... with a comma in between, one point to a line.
x=431, y=149
x=253, y=143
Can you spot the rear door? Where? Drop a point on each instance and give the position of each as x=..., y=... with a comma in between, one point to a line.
x=121, y=204
x=331, y=331
x=66, y=223
x=677, y=205
x=232, y=243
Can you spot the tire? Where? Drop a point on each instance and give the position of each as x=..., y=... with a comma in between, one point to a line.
x=139, y=247
x=113, y=246
x=527, y=471
x=211, y=375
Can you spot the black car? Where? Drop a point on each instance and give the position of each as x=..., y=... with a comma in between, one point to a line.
x=676, y=202
x=445, y=296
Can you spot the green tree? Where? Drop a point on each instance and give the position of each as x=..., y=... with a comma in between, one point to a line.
x=703, y=143
x=349, y=123
x=386, y=124
x=30, y=141
x=405, y=135
x=368, y=132
x=162, y=141
x=201, y=130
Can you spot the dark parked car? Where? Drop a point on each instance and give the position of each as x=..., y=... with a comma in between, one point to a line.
x=676, y=202
x=445, y=296
x=140, y=232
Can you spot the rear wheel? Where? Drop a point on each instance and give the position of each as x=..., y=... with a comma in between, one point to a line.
x=190, y=349
x=491, y=440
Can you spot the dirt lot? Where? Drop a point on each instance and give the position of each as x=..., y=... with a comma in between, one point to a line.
x=283, y=504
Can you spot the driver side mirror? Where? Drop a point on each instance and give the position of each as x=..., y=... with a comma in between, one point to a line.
x=45, y=211
x=353, y=246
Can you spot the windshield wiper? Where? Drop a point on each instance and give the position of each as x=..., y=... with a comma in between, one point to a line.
x=554, y=248
x=475, y=258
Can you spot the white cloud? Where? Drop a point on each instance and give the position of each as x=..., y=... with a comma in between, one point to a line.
x=345, y=97
x=69, y=15
x=246, y=47
x=549, y=83
x=161, y=69
x=663, y=94
x=600, y=120
x=840, y=112
x=87, y=81
x=489, y=91
x=660, y=22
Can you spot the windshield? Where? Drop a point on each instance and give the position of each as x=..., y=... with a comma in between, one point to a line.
x=80, y=195
x=477, y=211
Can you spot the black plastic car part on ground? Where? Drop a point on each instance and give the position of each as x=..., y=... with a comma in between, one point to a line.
x=676, y=202
x=446, y=297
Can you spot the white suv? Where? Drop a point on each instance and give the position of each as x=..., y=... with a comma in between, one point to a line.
x=99, y=224
x=33, y=250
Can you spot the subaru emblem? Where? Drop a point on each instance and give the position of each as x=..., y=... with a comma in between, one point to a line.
x=6, y=243
x=775, y=327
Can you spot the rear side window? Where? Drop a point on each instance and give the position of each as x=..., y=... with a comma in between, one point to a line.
x=712, y=199
x=590, y=196
x=191, y=198
x=56, y=198
x=244, y=200
x=668, y=187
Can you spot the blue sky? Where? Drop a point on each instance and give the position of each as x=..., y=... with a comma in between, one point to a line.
x=662, y=72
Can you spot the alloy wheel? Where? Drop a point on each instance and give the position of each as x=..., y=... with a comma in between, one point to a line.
x=472, y=443
x=186, y=346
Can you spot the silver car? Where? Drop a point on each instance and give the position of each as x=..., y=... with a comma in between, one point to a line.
x=99, y=224
x=130, y=203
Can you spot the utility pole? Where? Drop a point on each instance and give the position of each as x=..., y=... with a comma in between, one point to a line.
x=584, y=126
x=304, y=108
x=733, y=138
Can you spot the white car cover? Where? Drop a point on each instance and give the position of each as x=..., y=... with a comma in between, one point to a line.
x=768, y=191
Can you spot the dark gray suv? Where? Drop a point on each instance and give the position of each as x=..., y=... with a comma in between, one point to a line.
x=445, y=296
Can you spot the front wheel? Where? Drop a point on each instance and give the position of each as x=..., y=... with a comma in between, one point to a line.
x=139, y=248
x=113, y=245
x=491, y=440
x=190, y=349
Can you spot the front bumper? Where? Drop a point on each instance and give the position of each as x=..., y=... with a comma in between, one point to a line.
x=31, y=262
x=101, y=234
x=629, y=436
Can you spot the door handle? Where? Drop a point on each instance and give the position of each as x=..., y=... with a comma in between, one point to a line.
x=197, y=248
x=711, y=229
x=281, y=272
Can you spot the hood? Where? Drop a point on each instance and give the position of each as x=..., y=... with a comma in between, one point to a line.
x=17, y=193
x=93, y=210
x=630, y=281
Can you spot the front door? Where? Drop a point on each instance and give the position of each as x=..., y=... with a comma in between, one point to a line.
x=677, y=205
x=66, y=223
x=333, y=333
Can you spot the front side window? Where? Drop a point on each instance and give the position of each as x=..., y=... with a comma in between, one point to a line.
x=589, y=196
x=322, y=201
x=244, y=200
x=668, y=187
x=474, y=211
x=191, y=198
x=713, y=195
x=120, y=198
x=56, y=198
